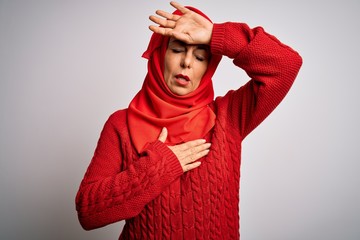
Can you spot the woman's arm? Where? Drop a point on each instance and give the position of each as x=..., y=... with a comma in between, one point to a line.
x=109, y=193
x=271, y=65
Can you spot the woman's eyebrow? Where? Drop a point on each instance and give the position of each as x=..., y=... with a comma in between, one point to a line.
x=183, y=44
x=203, y=47
x=177, y=42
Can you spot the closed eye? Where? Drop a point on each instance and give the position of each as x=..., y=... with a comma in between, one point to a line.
x=177, y=50
x=200, y=58
x=201, y=55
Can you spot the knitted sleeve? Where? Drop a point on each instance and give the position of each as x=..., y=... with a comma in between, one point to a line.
x=109, y=193
x=271, y=65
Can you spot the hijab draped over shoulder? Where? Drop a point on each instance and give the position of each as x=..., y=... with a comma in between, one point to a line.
x=186, y=117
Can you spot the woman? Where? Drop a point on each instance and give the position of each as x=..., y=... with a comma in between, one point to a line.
x=170, y=163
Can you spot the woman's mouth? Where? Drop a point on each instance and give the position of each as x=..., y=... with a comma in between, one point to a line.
x=182, y=80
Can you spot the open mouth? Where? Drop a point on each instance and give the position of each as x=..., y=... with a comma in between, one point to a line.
x=182, y=79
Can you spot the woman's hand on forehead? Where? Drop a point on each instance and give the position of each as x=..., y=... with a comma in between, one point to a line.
x=191, y=27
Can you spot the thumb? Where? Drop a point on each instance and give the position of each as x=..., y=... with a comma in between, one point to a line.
x=163, y=135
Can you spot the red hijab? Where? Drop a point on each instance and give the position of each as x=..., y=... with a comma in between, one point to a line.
x=186, y=117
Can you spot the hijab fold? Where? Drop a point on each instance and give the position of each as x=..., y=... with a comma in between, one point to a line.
x=186, y=117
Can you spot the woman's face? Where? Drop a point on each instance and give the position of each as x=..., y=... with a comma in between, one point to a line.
x=185, y=66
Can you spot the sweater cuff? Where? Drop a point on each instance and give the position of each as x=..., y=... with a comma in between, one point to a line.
x=170, y=159
x=230, y=38
x=217, y=39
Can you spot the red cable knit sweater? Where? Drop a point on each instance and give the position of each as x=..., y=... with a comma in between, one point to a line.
x=151, y=192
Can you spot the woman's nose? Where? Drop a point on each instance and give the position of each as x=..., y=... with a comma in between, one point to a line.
x=186, y=60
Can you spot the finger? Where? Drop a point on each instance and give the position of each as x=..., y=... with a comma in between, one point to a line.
x=167, y=15
x=190, y=154
x=196, y=156
x=179, y=7
x=163, y=22
x=191, y=144
x=163, y=134
x=161, y=30
x=199, y=148
x=191, y=166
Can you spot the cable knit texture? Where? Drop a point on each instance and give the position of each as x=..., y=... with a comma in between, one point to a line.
x=150, y=190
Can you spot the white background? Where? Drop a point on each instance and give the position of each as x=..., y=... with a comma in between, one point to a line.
x=65, y=66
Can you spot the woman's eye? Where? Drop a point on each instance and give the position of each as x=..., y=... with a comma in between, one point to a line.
x=200, y=58
x=177, y=50
x=201, y=55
